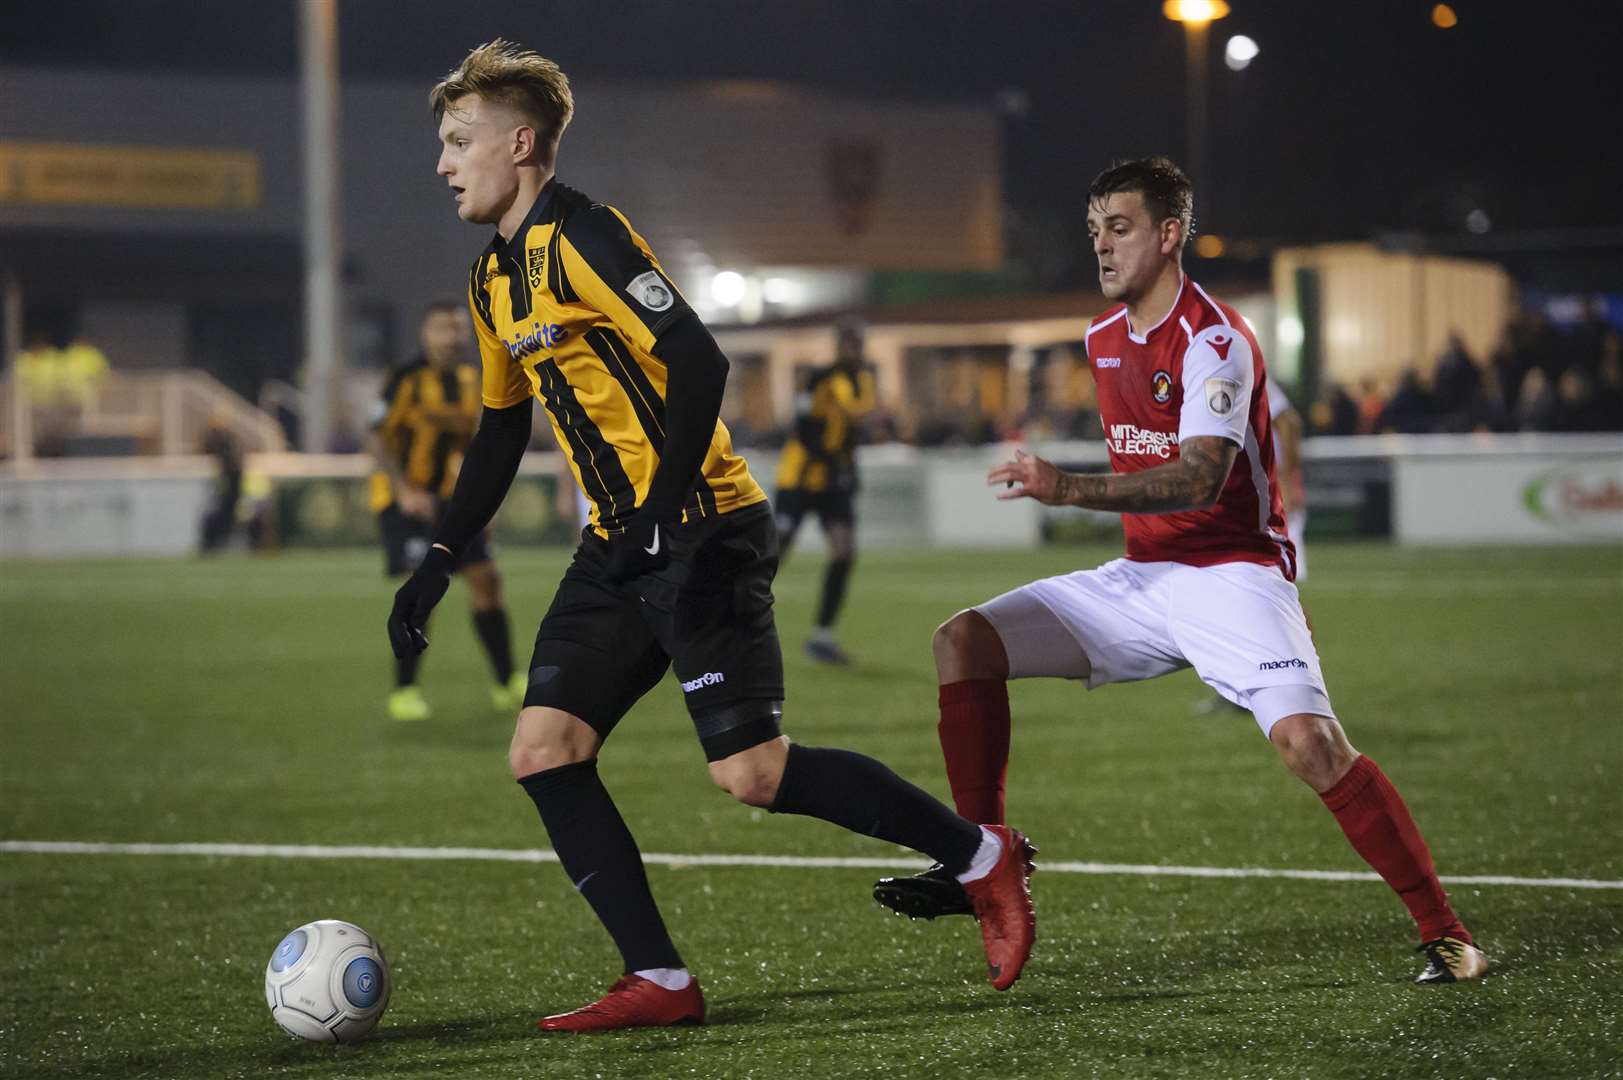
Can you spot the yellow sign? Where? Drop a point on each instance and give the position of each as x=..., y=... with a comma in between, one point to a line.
x=67, y=174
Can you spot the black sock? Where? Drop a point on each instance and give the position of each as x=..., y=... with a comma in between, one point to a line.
x=601, y=858
x=835, y=576
x=864, y=796
x=405, y=670
x=491, y=626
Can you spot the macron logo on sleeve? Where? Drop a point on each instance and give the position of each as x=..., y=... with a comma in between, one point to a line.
x=1220, y=343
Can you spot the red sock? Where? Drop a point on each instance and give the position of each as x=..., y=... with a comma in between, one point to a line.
x=1371, y=812
x=974, y=732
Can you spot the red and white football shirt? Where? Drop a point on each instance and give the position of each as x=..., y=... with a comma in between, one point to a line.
x=1196, y=372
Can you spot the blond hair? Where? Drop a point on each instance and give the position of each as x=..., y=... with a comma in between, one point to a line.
x=507, y=73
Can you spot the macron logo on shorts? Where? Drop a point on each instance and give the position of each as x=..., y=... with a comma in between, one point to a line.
x=1275, y=665
x=711, y=678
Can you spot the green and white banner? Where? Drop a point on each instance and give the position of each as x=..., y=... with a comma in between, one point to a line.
x=1538, y=498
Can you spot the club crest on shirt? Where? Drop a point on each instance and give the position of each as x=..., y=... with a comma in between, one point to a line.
x=1161, y=387
x=538, y=266
x=1221, y=396
x=650, y=291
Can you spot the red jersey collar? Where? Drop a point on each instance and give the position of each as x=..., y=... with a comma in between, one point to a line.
x=1177, y=302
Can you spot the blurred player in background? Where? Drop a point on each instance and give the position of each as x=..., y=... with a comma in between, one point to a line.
x=818, y=474
x=675, y=569
x=1208, y=577
x=220, y=516
x=421, y=426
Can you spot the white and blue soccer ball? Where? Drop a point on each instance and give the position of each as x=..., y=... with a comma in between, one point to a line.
x=327, y=981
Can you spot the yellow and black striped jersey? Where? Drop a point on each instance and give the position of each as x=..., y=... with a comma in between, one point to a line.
x=424, y=418
x=569, y=310
x=822, y=453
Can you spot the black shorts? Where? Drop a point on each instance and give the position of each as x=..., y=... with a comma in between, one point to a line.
x=708, y=615
x=406, y=540
x=831, y=507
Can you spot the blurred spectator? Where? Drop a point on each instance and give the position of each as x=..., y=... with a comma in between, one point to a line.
x=1538, y=408
x=1503, y=370
x=1486, y=409
x=1466, y=396
x=1609, y=383
x=1528, y=344
x=1371, y=402
x=1582, y=407
x=1335, y=412
x=1457, y=376
x=60, y=381
x=1410, y=409
x=220, y=519
x=1588, y=338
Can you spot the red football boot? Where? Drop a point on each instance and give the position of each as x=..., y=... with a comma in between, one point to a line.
x=633, y=1002
x=1002, y=902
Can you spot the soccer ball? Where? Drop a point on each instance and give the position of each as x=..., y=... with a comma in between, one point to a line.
x=327, y=981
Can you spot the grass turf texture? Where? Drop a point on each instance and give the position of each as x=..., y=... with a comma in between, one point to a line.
x=241, y=701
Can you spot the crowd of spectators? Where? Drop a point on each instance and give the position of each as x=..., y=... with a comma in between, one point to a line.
x=1539, y=378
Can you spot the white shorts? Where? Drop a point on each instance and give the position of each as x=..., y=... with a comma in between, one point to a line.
x=1239, y=625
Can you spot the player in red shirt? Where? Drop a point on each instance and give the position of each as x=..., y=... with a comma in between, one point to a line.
x=1208, y=578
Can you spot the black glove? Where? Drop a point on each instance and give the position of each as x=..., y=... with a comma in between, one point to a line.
x=414, y=600
x=643, y=548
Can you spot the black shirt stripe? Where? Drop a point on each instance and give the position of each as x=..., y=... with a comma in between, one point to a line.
x=645, y=402
x=557, y=280
x=481, y=299
x=518, y=287
x=601, y=473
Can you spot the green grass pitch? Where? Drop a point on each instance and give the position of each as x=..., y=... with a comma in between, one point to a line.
x=240, y=700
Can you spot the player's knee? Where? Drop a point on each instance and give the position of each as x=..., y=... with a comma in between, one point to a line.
x=752, y=776
x=548, y=739
x=1314, y=748
x=967, y=647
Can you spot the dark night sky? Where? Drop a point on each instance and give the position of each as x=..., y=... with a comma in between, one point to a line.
x=1357, y=117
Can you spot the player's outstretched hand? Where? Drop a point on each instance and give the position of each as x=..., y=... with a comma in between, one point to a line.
x=414, y=600
x=1027, y=477
x=643, y=548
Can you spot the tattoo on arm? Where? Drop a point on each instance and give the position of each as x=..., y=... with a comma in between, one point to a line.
x=1193, y=482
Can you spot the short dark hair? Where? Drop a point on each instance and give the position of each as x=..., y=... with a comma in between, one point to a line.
x=1165, y=189
x=441, y=304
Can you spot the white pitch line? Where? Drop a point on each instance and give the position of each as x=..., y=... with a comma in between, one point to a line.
x=541, y=855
